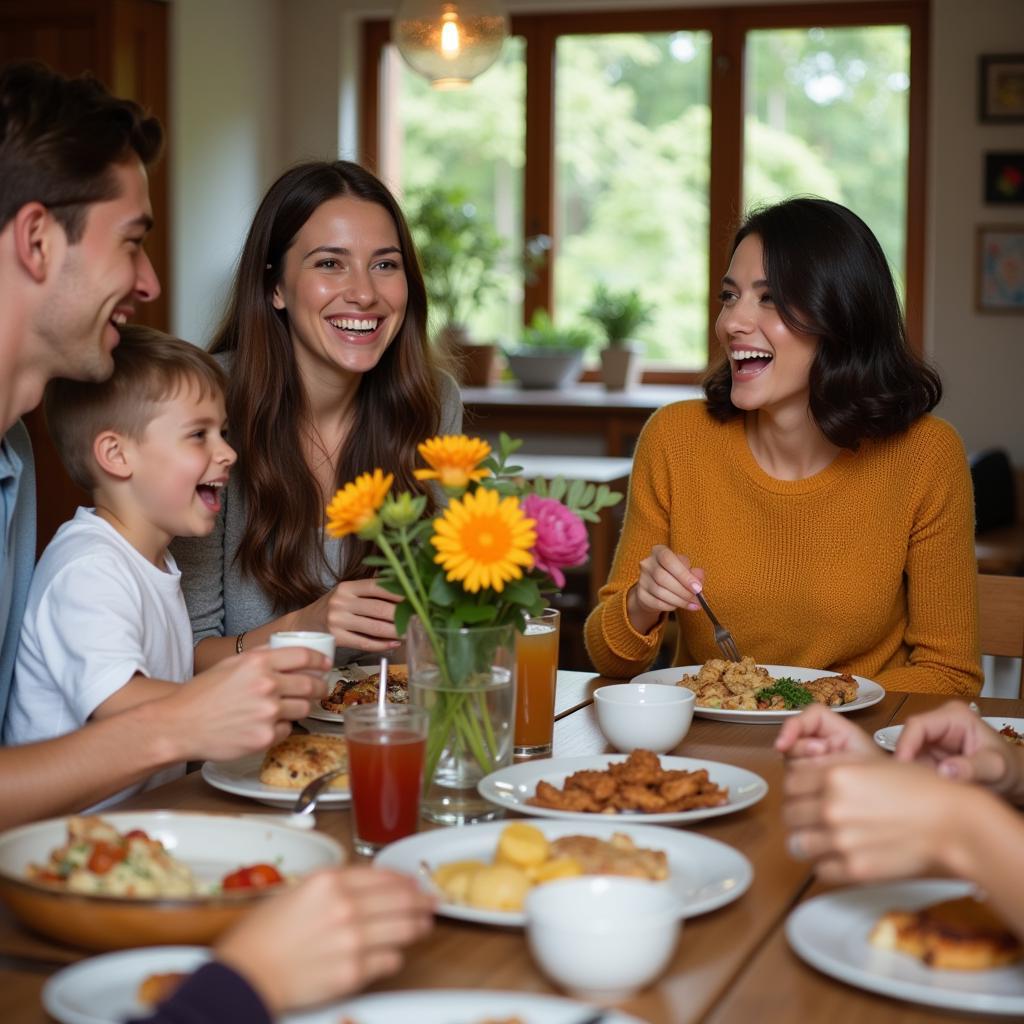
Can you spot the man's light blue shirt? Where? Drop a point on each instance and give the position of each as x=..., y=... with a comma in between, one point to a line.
x=18, y=548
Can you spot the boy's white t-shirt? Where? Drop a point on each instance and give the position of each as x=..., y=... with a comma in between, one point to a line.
x=97, y=613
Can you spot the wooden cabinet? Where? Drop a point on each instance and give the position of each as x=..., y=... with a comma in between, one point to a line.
x=124, y=44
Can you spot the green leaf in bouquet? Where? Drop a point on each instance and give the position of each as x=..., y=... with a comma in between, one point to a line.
x=557, y=488
x=443, y=593
x=403, y=613
x=475, y=614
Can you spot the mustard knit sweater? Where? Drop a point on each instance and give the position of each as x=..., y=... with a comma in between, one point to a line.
x=866, y=567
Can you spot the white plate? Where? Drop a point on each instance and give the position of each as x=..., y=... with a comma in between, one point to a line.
x=453, y=1006
x=102, y=990
x=705, y=874
x=868, y=692
x=242, y=777
x=886, y=738
x=830, y=932
x=511, y=787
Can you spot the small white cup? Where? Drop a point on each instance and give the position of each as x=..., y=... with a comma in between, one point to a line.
x=322, y=642
x=602, y=938
x=644, y=715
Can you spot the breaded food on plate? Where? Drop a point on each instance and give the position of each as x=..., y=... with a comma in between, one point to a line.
x=963, y=934
x=298, y=760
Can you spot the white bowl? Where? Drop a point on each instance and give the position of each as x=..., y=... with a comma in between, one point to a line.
x=602, y=938
x=645, y=716
x=210, y=844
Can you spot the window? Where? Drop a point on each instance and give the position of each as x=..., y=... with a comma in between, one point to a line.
x=634, y=141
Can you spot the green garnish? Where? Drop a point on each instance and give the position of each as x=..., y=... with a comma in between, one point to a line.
x=793, y=694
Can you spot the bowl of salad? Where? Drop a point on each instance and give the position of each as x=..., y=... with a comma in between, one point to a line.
x=149, y=877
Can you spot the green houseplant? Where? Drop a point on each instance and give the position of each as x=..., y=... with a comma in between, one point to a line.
x=549, y=356
x=619, y=315
x=459, y=251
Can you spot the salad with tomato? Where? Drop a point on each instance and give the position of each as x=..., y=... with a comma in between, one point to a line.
x=97, y=859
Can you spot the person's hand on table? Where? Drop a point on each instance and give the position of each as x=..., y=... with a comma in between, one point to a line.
x=960, y=746
x=819, y=732
x=361, y=615
x=667, y=582
x=245, y=703
x=862, y=821
x=333, y=934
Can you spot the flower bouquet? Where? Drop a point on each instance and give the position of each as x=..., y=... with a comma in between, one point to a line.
x=468, y=578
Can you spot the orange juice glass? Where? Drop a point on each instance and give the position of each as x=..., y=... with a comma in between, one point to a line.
x=536, y=670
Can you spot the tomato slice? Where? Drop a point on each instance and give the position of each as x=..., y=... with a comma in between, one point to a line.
x=104, y=856
x=256, y=876
x=136, y=833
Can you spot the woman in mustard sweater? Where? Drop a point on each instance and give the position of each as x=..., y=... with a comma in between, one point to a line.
x=829, y=515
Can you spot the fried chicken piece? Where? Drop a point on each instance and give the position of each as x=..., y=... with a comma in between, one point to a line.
x=714, y=797
x=711, y=671
x=676, y=789
x=575, y=800
x=600, y=785
x=639, y=798
x=740, y=702
x=833, y=690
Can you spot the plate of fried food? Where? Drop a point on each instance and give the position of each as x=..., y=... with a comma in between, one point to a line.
x=743, y=691
x=640, y=786
x=483, y=874
x=277, y=776
x=1011, y=729
x=357, y=685
x=930, y=942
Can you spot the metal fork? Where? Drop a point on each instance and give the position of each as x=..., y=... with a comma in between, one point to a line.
x=723, y=637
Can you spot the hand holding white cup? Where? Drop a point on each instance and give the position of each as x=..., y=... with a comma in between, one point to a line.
x=322, y=642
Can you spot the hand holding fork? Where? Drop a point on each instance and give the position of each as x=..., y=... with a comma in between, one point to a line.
x=668, y=582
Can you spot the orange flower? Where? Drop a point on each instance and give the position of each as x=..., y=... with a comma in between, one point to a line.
x=354, y=508
x=484, y=540
x=454, y=461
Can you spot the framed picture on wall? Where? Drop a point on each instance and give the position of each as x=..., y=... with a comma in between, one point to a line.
x=1001, y=88
x=999, y=275
x=1004, y=178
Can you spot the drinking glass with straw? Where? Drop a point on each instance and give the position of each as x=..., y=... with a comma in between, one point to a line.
x=387, y=746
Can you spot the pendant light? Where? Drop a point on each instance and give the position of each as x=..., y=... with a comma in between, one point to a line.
x=449, y=42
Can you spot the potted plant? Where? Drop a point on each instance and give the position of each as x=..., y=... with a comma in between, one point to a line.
x=619, y=315
x=549, y=356
x=459, y=251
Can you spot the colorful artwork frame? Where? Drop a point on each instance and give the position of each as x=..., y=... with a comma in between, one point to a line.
x=999, y=262
x=1004, y=179
x=1001, y=88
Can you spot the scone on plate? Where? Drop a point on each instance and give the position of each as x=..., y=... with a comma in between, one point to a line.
x=964, y=934
x=298, y=760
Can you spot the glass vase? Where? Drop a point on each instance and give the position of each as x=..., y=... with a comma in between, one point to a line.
x=465, y=679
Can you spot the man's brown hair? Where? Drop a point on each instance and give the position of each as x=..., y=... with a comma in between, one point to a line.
x=150, y=367
x=60, y=139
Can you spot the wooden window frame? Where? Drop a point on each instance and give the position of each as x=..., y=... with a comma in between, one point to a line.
x=728, y=27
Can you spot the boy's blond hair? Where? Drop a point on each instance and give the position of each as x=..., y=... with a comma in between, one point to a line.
x=150, y=367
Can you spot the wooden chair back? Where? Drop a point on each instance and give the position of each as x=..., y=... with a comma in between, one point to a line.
x=1001, y=617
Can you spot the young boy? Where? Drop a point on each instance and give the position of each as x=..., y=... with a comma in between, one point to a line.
x=105, y=625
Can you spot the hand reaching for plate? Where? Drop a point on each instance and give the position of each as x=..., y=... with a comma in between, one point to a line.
x=820, y=732
x=963, y=747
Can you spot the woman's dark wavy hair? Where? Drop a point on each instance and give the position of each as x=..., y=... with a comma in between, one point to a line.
x=829, y=277
x=396, y=406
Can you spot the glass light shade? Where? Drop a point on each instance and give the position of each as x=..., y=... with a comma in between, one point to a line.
x=450, y=43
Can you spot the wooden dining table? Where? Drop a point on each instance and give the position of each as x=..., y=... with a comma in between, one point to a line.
x=731, y=965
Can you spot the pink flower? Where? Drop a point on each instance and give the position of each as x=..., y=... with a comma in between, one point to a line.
x=561, y=537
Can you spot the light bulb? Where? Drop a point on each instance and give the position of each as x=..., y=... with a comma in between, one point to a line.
x=450, y=45
x=450, y=42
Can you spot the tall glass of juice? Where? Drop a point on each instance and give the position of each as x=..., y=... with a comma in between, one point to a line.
x=536, y=671
x=386, y=751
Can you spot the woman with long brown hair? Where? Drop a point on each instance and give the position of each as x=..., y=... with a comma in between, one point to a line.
x=330, y=375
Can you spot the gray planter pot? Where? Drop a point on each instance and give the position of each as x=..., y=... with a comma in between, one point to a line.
x=546, y=367
x=620, y=367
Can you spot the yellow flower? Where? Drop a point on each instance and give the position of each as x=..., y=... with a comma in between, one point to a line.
x=354, y=508
x=484, y=540
x=454, y=461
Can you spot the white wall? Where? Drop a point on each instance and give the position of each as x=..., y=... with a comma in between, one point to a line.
x=981, y=356
x=225, y=144
x=258, y=84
